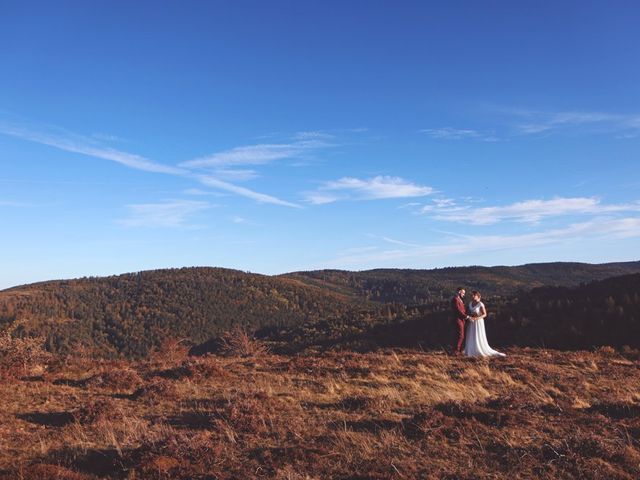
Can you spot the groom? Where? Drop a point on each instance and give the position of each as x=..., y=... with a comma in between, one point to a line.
x=460, y=316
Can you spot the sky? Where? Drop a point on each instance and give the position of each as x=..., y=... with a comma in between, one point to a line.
x=298, y=135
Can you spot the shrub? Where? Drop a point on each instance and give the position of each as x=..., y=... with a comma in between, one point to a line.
x=171, y=351
x=606, y=351
x=21, y=356
x=240, y=343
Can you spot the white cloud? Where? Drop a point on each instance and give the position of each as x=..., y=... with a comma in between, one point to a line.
x=536, y=121
x=106, y=137
x=420, y=255
x=449, y=133
x=444, y=202
x=86, y=146
x=174, y=213
x=529, y=211
x=380, y=187
x=261, y=154
x=70, y=142
x=313, y=135
x=394, y=241
x=213, y=182
x=243, y=221
x=515, y=122
x=322, y=198
x=237, y=175
x=248, y=155
x=202, y=193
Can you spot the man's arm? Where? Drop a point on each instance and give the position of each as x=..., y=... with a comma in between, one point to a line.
x=461, y=312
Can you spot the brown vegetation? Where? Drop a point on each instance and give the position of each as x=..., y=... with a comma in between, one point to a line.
x=239, y=342
x=134, y=314
x=22, y=356
x=390, y=414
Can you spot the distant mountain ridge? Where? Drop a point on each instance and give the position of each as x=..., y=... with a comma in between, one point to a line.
x=133, y=313
x=409, y=286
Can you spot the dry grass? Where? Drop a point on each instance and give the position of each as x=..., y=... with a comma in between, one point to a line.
x=395, y=414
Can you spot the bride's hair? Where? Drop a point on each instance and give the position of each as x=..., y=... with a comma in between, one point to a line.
x=475, y=292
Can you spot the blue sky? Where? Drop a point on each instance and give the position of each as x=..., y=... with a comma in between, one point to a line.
x=280, y=136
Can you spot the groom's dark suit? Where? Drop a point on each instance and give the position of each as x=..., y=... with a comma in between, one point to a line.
x=459, y=316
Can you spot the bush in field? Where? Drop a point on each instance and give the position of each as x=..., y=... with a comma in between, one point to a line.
x=21, y=356
x=238, y=342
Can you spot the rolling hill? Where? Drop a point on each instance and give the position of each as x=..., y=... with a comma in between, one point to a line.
x=131, y=314
x=599, y=313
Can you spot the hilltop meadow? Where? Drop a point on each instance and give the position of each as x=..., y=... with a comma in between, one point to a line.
x=385, y=415
x=218, y=374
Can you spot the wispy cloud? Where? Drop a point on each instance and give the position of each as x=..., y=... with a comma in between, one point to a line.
x=213, y=182
x=172, y=214
x=423, y=254
x=380, y=187
x=74, y=143
x=198, y=192
x=315, y=135
x=238, y=220
x=518, y=122
x=11, y=203
x=248, y=155
x=449, y=133
x=219, y=179
x=106, y=137
x=236, y=175
x=532, y=122
x=394, y=241
x=528, y=211
x=263, y=153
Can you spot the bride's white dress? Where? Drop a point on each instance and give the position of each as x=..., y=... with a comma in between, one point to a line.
x=476, y=344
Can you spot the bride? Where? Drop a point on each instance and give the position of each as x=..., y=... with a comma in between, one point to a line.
x=476, y=344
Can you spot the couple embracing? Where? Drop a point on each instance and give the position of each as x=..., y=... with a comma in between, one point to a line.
x=469, y=326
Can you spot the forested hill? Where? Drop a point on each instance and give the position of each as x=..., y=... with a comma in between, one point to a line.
x=133, y=313
x=414, y=287
x=129, y=314
x=605, y=312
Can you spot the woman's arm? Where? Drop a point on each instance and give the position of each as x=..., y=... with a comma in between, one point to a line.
x=483, y=312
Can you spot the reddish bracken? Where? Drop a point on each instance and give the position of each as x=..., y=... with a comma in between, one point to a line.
x=22, y=356
x=156, y=390
x=393, y=414
x=196, y=369
x=117, y=379
x=101, y=410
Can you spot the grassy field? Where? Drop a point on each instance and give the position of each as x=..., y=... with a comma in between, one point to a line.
x=391, y=414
